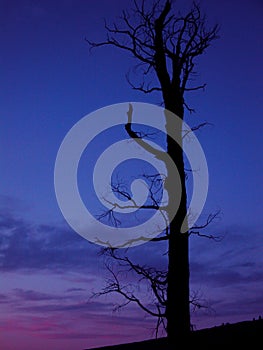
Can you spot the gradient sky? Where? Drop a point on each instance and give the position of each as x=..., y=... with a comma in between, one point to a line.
x=49, y=80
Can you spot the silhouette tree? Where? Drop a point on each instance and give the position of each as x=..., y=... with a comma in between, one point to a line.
x=166, y=45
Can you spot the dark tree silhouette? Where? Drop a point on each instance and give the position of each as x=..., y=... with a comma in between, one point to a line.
x=166, y=45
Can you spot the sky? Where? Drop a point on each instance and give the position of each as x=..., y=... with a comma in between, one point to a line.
x=49, y=81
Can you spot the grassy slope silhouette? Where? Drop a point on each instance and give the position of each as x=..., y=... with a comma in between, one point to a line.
x=245, y=333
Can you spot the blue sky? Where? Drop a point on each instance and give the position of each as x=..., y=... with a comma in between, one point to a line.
x=49, y=80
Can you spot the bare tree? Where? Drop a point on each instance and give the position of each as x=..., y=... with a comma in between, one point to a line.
x=166, y=45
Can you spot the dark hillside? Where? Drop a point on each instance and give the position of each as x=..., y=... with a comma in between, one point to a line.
x=245, y=333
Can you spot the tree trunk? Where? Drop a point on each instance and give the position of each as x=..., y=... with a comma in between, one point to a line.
x=177, y=308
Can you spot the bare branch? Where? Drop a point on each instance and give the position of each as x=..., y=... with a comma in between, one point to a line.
x=128, y=127
x=143, y=86
x=200, y=126
x=209, y=236
x=156, y=278
x=153, y=35
x=209, y=220
x=113, y=286
x=200, y=87
x=195, y=229
x=198, y=302
x=191, y=110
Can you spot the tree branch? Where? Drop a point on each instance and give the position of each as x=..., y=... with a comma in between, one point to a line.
x=113, y=286
x=195, y=230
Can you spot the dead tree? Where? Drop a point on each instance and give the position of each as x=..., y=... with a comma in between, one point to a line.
x=166, y=44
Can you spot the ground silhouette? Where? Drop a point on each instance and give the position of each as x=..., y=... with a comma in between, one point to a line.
x=246, y=333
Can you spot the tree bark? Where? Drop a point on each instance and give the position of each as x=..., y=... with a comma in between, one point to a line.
x=177, y=308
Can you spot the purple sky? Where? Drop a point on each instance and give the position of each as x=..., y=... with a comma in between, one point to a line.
x=49, y=81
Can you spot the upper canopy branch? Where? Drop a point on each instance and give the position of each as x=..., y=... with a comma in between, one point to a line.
x=156, y=35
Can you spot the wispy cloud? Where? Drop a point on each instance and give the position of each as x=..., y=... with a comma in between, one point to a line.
x=54, y=316
x=228, y=273
x=28, y=246
x=75, y=290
